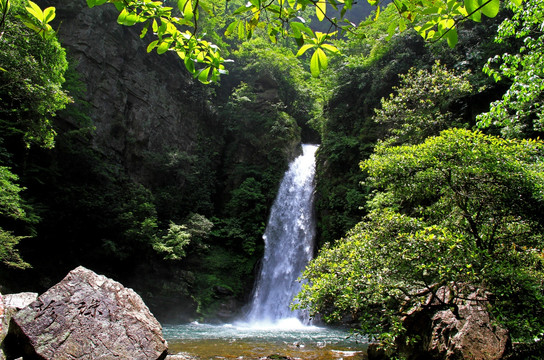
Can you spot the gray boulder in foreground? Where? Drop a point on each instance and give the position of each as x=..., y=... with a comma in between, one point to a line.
x=9, y=305
x=86, y=316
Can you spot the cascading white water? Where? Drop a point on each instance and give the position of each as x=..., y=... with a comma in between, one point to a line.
x=289, y=238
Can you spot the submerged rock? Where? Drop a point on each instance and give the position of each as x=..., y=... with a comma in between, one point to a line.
x=86, y=316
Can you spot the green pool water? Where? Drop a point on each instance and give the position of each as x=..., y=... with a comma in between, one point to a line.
x=244, y=341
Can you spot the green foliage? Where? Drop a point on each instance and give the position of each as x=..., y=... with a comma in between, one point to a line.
x=31, y=87
x=286, y=19
x=461, y=209
x=178, y=237
x=171, y=34
x=39, y=20
x=31, y=77
x=174, y=242
x=348, y=129
x=9, y=255
x=422, y=105
x=387, y=266
x=11, y=206
x=519, y=113
x=484, y=186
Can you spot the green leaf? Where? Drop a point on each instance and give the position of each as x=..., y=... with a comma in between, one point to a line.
x=472, y=7
x=93, y=3
x=452, y=37
x=152, y=45
x=318, y=62
x=299, y=28
x=126, y=18
x=320, y=9
x=119, y=6
x=242, y=9
x=231, y=28
x=35, y=11
x=163, y=47
x=391, y=30
x=49, y=14
x=189, y=64
x=186, y=8
x=492, y=8
x=304, y=48
x=241, y=30
x=330, y=48
x=144, y=30
x=203, y=75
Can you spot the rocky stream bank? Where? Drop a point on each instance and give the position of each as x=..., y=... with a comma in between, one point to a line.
x=89, y=316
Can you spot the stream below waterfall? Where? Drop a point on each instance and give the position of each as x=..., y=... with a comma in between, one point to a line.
x=245, y=342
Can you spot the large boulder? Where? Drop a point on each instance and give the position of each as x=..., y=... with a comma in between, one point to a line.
x=451, y=328
x=86, y=316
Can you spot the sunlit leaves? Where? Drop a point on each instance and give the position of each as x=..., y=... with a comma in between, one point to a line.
x=93, y=3
x=438, y=20
x=434, y=20
x=421, y=106
x=39, y=20
x=320, y=9
x=186, y=8
x=201, y=58
x=485, y=186
x=520, y=112
x=127, y=18
x=319, y=60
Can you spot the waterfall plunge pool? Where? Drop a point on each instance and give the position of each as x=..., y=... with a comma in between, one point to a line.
x=254, y=341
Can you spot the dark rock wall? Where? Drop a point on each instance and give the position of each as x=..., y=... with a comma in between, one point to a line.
x=140, y=102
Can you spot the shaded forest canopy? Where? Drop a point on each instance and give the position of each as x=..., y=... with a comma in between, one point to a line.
x=121, y=160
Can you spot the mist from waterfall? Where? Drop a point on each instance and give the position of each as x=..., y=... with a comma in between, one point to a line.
x=289, y=244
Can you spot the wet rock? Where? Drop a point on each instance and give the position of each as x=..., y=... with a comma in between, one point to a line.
x=86, y=316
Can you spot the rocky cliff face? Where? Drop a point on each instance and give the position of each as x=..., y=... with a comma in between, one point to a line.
x=140, y=102
x=184, y=153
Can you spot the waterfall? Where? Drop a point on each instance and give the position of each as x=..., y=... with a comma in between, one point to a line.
x=289, y=242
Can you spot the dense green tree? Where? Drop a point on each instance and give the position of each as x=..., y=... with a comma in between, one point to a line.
x=422, y=105
x=31, y=75
x=520, y=111
x=12, y=207
x=31, y=82
x=178, y=237
x=460, y=208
